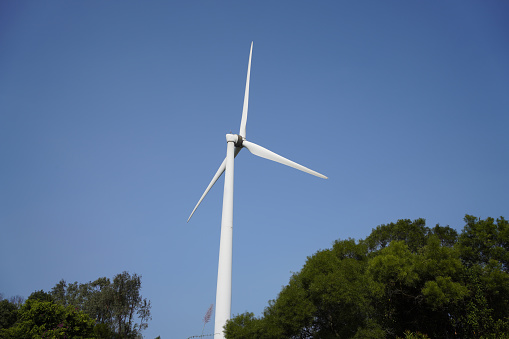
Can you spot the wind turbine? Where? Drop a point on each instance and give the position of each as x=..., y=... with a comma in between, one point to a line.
x=235, y=143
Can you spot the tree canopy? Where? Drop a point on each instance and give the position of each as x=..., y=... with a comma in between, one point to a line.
x=405, y=280
x=46, y=319
x=98, y=309
x=118, y=305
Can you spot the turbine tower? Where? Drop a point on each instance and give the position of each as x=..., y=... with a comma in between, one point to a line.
x=235, y=143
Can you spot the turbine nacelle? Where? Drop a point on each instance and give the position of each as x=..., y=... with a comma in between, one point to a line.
x=236, y=139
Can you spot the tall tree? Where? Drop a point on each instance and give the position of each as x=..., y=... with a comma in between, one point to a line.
x=118, y=305
x=486, y=240
x=128, y=305
x=404, y=280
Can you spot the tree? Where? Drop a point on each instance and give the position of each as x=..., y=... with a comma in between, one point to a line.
x=413, y=233
x=46, y=319
x=404, y=280
x=8, y=314
x=117, y=305
x=41, y=296
x=485, y=240
x=128, y=304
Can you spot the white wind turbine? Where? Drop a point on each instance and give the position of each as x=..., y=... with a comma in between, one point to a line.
x=235, y=143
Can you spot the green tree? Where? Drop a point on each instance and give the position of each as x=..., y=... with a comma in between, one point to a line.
x=46, y=319
x=483, y=241
x=413, y=233
x=128, y=305
x=246, y=325
x=330, y=297
x=118, y=305
x=8, y=314
x=41, y=296
x=404, y=280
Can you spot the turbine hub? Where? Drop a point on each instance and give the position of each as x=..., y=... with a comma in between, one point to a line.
x=239, y=141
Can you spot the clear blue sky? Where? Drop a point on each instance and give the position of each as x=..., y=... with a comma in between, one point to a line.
x=113, y=117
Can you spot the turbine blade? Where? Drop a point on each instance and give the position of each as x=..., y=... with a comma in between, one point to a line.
x=213, y=181
x=246, y=97
x=265, y=153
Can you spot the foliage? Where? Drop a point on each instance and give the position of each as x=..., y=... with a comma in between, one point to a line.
x=16, y=300
x=46, y=319
x=8, y=314
x=41, y=296
x=415, y=335
x=484, y=240
x=404, y=280
x=99, y=309
x=118, y=305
